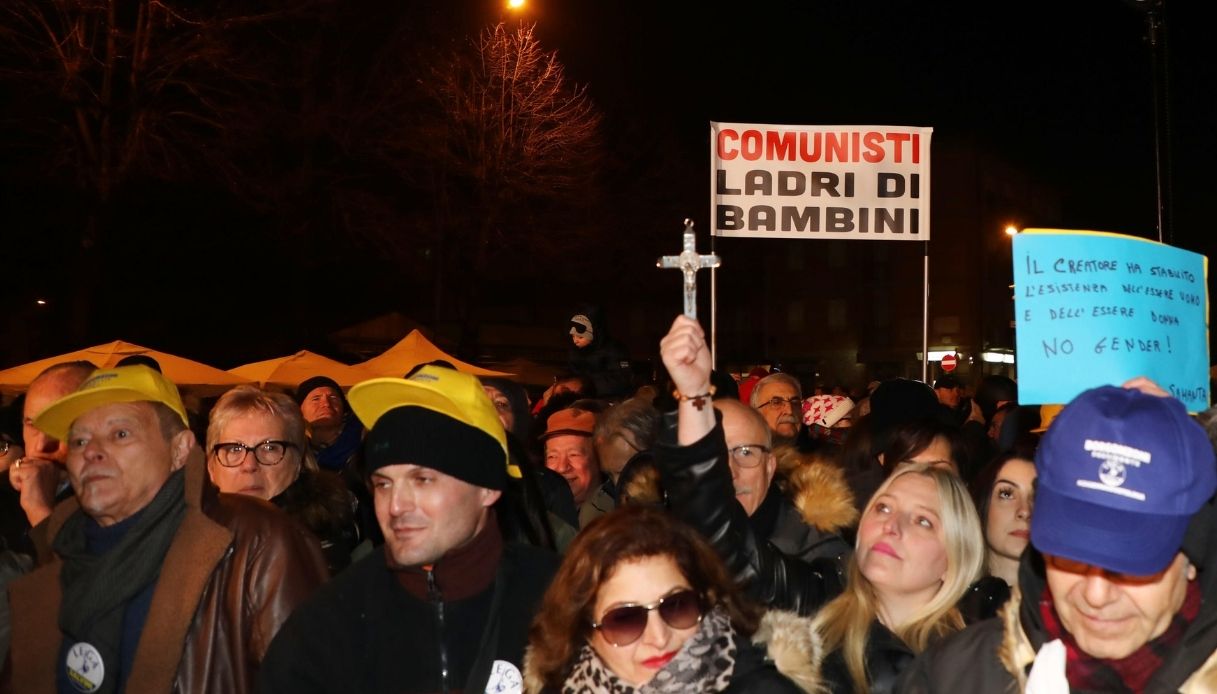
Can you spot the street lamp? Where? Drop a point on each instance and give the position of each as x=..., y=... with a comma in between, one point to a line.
x=1011, y=230
x=515, y=4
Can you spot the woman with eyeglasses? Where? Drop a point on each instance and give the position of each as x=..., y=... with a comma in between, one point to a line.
x=256, y=445
x=642, y=603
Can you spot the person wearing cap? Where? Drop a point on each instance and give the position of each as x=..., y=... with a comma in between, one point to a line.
x=1116, y=592
x=597, y=357
x=447, y=604
x=156, y=581
x=570, y=452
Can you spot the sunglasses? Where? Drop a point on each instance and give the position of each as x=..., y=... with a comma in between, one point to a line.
x=624, y=625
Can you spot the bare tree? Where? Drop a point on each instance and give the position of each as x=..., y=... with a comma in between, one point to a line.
x=157, y=88
x=505, y=151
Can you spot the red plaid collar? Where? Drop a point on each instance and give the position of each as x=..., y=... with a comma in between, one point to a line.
x=1129, y=674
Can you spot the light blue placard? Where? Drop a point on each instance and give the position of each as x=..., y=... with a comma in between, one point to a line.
x=1096, y=309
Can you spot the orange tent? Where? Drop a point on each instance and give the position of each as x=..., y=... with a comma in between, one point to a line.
x=292, y=370
x=203, y=379
x=414, y=349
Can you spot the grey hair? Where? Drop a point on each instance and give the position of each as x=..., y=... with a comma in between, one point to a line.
x=754, y=398
x=243, y=400
x=635, y=415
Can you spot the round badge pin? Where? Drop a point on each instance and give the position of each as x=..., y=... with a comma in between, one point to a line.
x=86, y=670
x=505, y=678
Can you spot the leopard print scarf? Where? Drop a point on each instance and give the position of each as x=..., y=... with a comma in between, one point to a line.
x=704, y=664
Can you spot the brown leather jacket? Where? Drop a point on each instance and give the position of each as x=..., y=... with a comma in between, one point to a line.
x=235, y=571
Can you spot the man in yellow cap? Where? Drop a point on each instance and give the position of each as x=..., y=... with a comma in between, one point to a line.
x=155, y=582
x=447, y=605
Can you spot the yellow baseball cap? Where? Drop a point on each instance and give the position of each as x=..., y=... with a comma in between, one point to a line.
x=451, y=393
x=107, y=386
x=1047, y=414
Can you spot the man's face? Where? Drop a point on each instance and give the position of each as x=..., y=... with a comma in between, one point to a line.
x=785, y=417
x=42, y=392
x=949, y=396
x=424, y=513
x=573, y=457
x=1112, y=615
x=580, y=340
x=322, y=406
x=118, y=459
x=751, y=483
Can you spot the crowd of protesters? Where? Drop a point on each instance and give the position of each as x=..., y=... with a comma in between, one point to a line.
x=437, y=532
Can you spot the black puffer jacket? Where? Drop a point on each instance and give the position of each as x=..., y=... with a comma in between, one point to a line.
x=996, y=655
x=698, y=484
x=886, y=658
x=324, y=505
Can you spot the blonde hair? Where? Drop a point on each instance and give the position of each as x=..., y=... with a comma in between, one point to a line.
x=846, y=621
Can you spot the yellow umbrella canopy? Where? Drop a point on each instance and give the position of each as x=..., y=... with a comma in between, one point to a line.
x=294, y=369
x=414, y=349
x=182, y=371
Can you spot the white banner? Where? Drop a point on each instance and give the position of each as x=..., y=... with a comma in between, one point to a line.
x=820, y=181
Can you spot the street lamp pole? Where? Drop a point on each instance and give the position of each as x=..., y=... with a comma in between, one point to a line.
x=1155, y=22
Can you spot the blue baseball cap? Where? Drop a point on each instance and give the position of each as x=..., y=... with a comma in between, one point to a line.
x=1120, y=474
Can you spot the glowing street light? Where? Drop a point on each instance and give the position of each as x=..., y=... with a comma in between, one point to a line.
x=1011, y=230
x=515, y=4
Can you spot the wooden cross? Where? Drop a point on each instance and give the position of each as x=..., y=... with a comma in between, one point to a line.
x=689, y=262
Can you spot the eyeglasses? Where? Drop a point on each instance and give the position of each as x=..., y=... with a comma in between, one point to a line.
x=624, y=625
x=795, y=403
x=266, y=453
x=749, y=455
x=4, y=446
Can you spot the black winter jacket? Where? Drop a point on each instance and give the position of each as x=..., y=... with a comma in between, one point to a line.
x=698, y=484
x=886, y=658
x=363, y=632
x=996, y=655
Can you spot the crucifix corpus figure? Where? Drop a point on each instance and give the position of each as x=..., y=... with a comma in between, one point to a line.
x=689, y=262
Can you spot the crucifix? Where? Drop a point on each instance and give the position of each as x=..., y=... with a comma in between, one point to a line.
x=689, y=262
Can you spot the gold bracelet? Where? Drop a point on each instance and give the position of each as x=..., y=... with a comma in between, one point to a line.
x=699, y=401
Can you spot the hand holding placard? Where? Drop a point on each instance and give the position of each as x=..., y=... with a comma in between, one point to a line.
x=1093, y=309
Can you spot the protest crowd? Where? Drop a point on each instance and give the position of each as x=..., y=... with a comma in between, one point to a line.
x=437, y=532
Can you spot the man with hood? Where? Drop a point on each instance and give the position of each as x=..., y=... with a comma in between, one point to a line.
x=596, y=356
x=1116, y=590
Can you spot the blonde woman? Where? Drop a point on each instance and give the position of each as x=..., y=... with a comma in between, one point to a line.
x=919, y=548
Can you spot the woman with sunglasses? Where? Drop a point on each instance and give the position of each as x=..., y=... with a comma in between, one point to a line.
x=256, y=445
x=642, y=603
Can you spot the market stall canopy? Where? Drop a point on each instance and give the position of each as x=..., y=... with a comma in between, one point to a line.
x=531, y=373
x=186, y=373
x=294, y=369
x=414, y=349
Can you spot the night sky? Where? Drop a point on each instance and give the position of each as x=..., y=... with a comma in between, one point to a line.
x=1064, y=89
x=1060, y=90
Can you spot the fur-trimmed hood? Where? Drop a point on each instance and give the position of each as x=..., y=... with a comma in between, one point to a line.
x=790, y=643
x=818, y=489
x=794, y=647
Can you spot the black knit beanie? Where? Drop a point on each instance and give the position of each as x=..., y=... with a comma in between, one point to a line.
x=419, y=436
x=314, y=383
